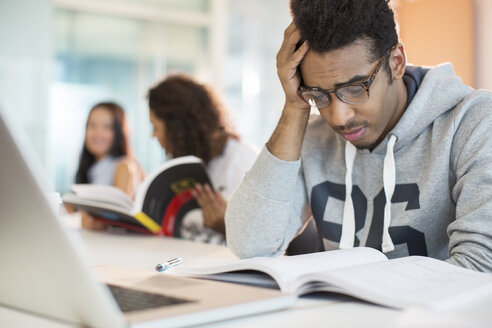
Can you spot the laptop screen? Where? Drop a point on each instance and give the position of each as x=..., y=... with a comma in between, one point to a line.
x=44, y=269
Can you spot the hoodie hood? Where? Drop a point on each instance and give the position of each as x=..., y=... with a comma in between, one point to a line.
x=431, y=101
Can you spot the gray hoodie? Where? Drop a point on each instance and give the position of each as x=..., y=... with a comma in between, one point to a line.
x=435, y=166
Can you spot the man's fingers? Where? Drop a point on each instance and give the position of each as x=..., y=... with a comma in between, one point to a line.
x=301, y=52
x=288, y=61
x=292, y=35
x=288, y=46
x=292, y=27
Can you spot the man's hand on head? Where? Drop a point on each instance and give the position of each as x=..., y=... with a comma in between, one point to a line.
x=286, y=141
x=289, y=58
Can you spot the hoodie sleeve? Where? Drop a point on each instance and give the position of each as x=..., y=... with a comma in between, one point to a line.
x=470, y=234
x=268, y=208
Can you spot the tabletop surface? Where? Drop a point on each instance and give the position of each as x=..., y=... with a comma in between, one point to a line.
x=144, y=252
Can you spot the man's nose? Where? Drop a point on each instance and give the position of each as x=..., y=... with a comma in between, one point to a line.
x=340, y=112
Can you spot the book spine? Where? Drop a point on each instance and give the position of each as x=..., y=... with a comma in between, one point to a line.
x=123, y=225
x=147, y=222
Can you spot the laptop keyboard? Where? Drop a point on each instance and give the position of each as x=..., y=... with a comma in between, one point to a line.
x=134, y=300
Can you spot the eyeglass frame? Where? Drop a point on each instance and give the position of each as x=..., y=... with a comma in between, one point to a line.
x=365, y=84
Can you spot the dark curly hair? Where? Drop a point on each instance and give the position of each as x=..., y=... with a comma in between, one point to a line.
x=120, y=146
x=333, y=24
x=193, y=116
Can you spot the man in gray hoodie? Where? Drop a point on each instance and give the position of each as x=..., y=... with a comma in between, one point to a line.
x=395, y=157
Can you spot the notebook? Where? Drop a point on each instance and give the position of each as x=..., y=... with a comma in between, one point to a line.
x=44, y=267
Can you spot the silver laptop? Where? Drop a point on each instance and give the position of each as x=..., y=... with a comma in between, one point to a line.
x=44, y=270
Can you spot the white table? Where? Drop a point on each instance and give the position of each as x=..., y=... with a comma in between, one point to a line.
x=144, y=252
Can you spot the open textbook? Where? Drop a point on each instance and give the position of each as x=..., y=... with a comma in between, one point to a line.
x=361, y=272
x=161, y=200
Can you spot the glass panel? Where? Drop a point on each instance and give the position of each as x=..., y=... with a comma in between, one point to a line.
x=25, y=69
x=201, y=6
x=106, y=58
x=255, y=33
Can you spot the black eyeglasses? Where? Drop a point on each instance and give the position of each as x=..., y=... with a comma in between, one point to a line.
x=352, y=93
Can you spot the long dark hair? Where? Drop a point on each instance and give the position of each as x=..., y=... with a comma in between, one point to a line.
x=193, y=115
x=120, y=146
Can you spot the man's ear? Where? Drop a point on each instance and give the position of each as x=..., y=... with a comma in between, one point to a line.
x=398, y=61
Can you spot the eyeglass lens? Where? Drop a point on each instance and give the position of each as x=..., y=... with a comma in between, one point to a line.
x=352, y=94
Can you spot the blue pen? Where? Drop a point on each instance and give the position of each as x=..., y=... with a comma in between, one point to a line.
x=168, y=264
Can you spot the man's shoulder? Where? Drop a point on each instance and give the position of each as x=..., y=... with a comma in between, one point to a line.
x=476, y=106
x=472, y=120
x=482, y=98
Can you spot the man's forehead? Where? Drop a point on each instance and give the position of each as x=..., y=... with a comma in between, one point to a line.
x=336, y=66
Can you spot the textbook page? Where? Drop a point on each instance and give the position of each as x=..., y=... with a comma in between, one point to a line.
x=103, y=193
x=412, y=281
x=284, y=269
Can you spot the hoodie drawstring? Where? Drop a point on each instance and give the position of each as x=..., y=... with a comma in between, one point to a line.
x=348, y=223
x=389, y=181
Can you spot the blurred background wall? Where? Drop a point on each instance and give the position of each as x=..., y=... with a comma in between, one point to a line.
x=60, y=57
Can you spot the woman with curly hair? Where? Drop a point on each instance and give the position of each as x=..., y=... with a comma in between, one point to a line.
x=188, y=119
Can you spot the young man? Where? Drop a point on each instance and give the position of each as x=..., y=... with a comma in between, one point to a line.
x=399, y=157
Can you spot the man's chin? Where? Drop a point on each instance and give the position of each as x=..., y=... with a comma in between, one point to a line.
x=362, y=144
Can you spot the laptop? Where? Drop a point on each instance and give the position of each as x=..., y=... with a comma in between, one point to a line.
x=44, y=267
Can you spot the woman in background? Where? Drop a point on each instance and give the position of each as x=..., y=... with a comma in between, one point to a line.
x=188, y=119
x=106, y=157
